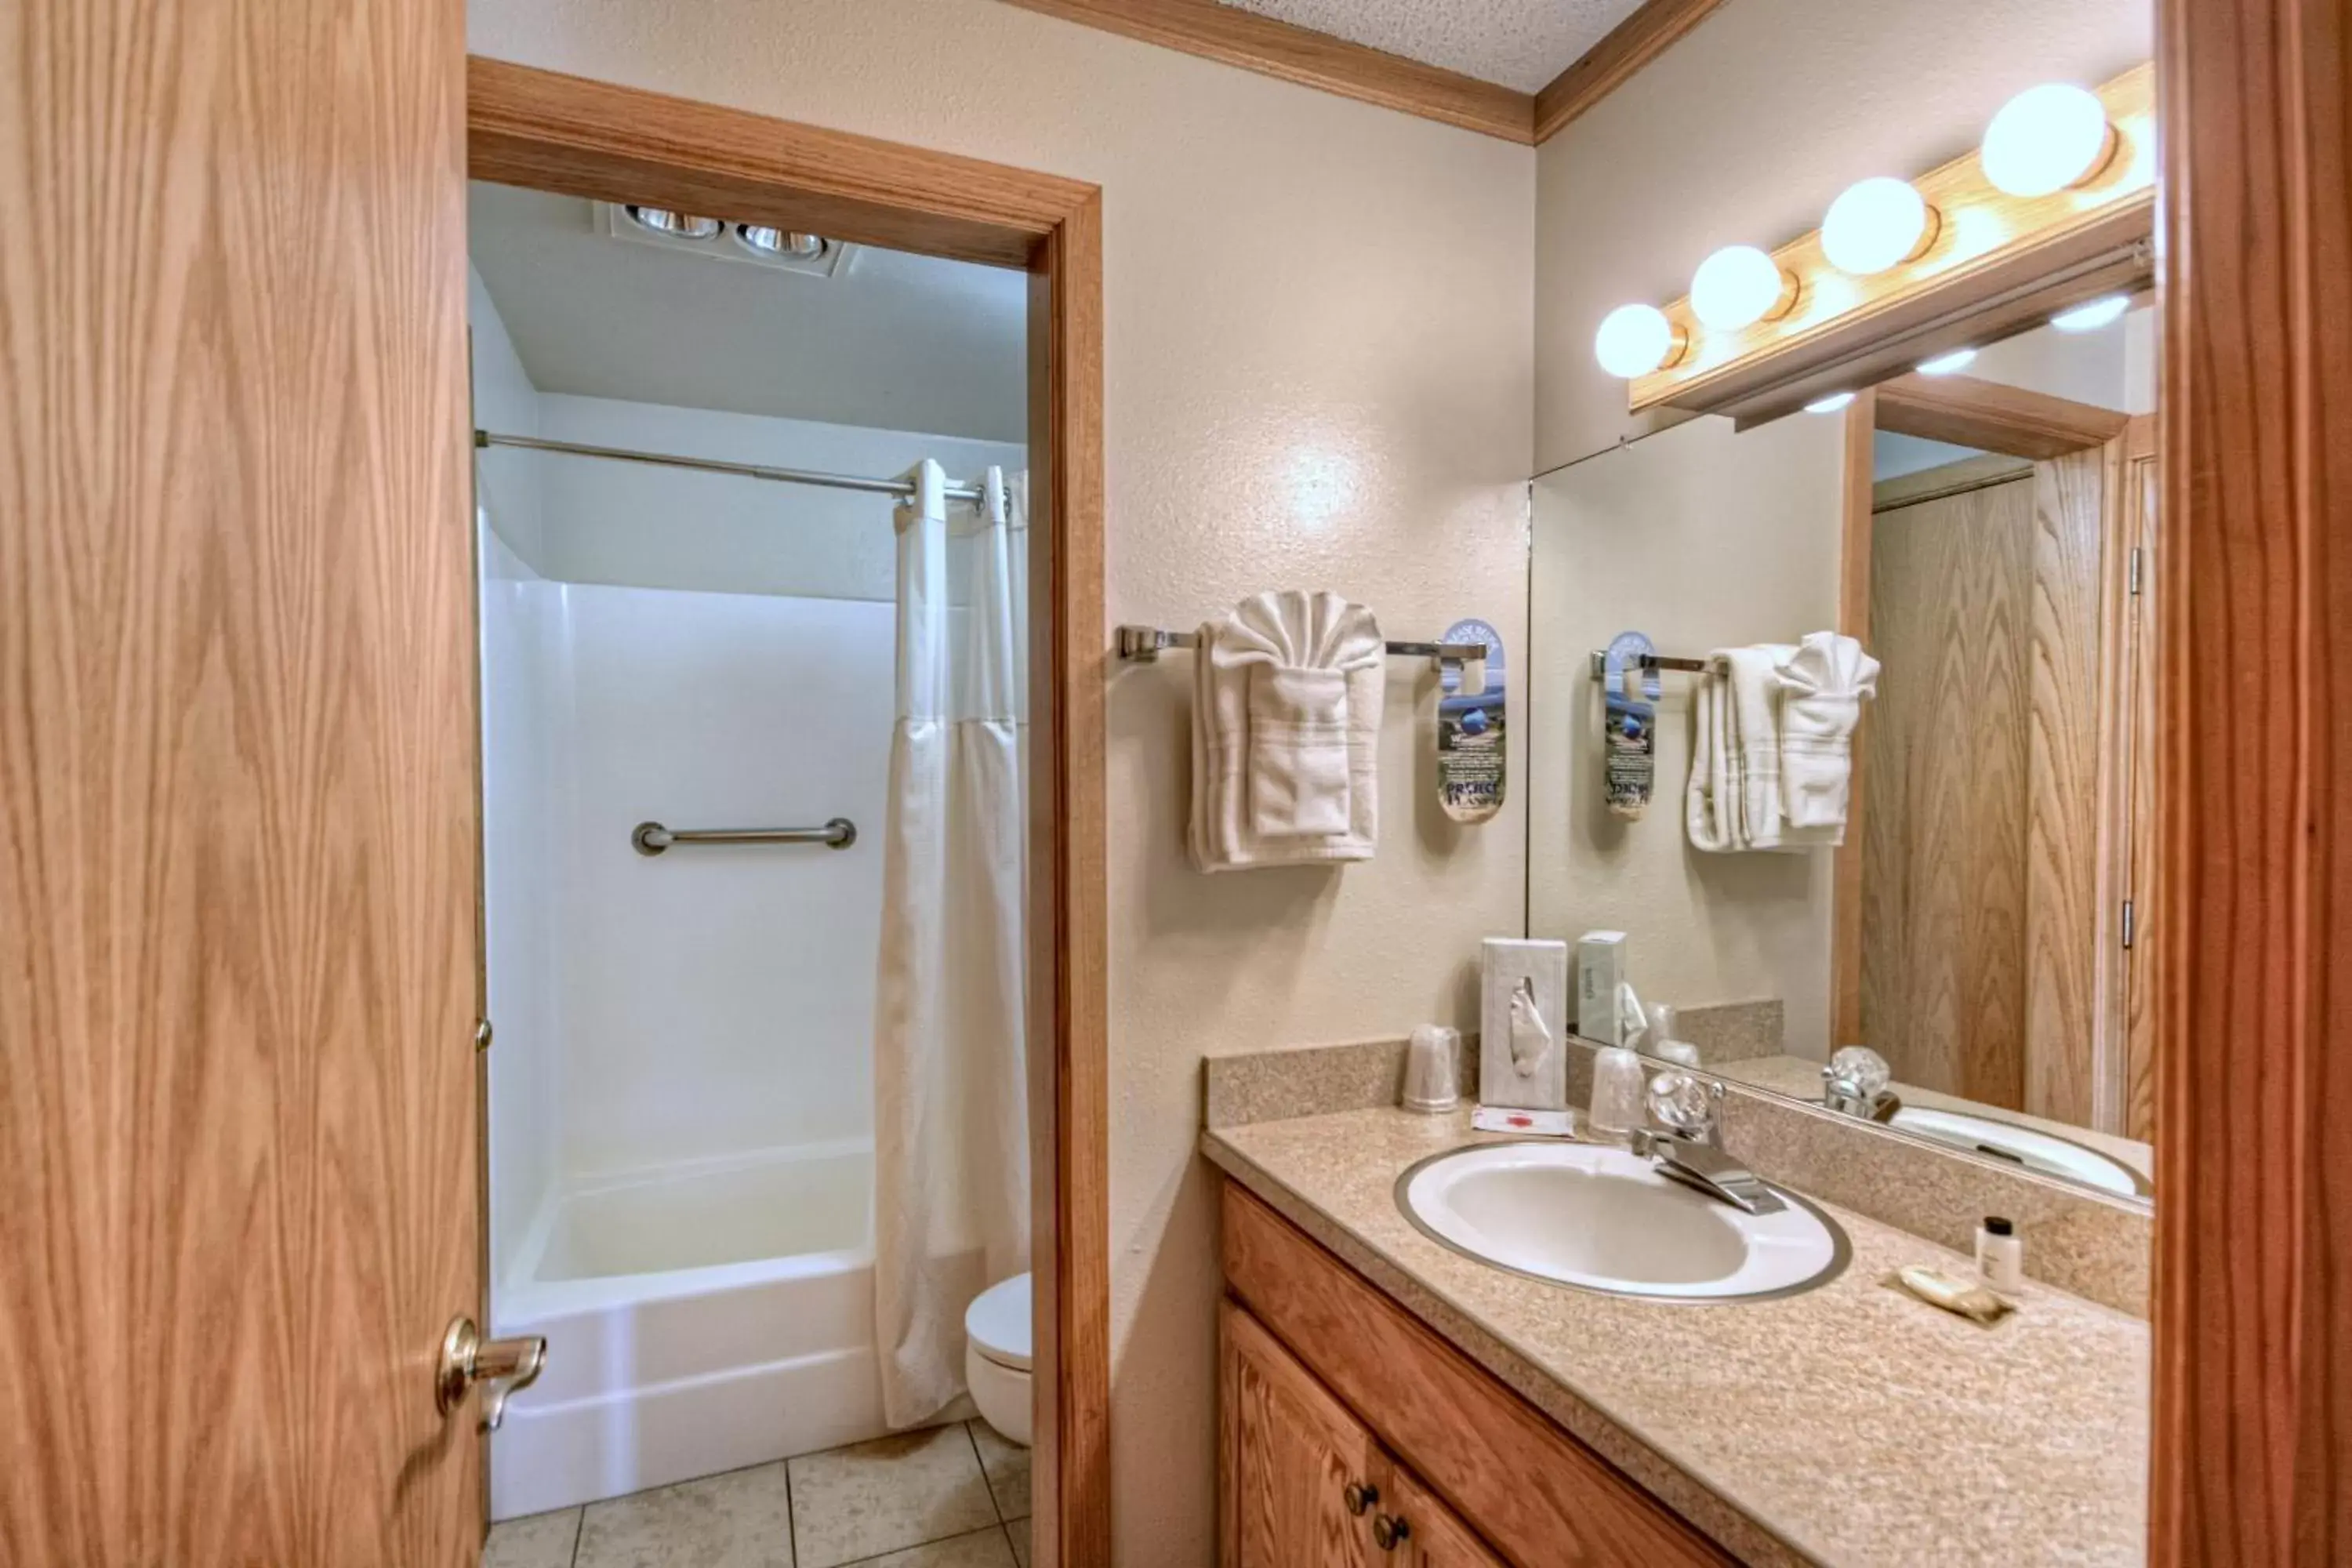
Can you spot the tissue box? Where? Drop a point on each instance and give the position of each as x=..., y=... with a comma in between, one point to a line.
x=1507, y=964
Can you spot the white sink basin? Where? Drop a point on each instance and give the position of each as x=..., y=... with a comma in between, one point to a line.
x=1603, y=1219
x=2036, y=1151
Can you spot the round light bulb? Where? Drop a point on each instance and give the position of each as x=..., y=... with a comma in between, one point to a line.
x=1633, y=341
x=2046, y=139
x=2090, y=318
x=1738, y=287
x=1951, y=364
x=1830, y=405
x=1875, y=224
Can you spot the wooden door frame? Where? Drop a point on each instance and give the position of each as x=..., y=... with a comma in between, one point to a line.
x=2016, y=422
x=2251, y=1451
x=582, y=138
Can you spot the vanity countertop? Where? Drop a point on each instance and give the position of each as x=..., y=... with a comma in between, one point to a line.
x=1850, y=1424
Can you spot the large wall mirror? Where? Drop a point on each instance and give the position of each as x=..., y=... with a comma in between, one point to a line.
x=1983, y=526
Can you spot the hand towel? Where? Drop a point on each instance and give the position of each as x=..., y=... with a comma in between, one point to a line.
x=1736, y=798
x=1287, y=698
x=1823, y=688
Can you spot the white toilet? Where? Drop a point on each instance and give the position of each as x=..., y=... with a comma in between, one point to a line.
x=996, y=1356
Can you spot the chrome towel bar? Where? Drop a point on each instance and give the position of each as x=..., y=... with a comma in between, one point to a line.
x=652, y=837
x=1143, y=644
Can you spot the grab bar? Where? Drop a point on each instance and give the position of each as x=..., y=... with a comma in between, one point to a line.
x=652, y=837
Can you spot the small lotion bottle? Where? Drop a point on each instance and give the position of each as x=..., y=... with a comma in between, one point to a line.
x=2001, y=1255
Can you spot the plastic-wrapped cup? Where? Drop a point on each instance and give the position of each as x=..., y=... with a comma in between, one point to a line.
x=1433, y=1070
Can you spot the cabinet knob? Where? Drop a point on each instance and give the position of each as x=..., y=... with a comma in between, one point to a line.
x=1387, y=1531
x=1359, y=1498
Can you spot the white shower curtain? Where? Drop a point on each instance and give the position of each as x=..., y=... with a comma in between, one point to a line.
x=951, y=1078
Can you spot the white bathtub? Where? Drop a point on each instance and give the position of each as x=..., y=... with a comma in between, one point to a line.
x=699, y=1318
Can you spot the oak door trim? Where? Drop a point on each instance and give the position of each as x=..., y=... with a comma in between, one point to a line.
x=1652, y=28
x=1233, y=37
x=1969, y=411
x=591, y=139
x=2250, y=1444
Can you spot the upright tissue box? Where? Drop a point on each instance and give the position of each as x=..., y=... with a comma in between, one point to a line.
x=1599, y=982
x=1522, y=1024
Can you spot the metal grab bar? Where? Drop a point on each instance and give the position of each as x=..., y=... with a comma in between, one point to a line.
x=652, y=837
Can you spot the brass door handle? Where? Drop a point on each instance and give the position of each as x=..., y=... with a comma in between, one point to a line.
x=499, y=1366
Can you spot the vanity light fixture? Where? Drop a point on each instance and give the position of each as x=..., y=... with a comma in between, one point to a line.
x=1877, y=224
x=677, y=225
x=1740, y=285
x=2090, y=318
x=763, y=240
x=2047, y=138
x=1830, y=405
x=1951, y=364
x=1635, y=339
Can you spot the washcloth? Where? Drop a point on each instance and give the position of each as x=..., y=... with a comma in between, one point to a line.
x=1740, y=792
x=1286, y=696
x=1822, y=688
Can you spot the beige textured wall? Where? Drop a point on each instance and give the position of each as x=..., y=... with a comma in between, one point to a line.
x=1747, y=129
x=1319, y=372
x=1701, y=538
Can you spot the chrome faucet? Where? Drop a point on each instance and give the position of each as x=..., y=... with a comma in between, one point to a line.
x=1687, y=1145
x=1855, y=1083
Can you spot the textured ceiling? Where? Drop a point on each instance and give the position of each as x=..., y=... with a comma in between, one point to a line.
x=1520, y=43
x=897, y=343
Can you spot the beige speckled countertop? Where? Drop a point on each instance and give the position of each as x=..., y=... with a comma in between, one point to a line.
x=1848, y=1425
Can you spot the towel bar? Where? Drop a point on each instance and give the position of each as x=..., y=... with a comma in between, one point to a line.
x=1652, y=661
x=1144, y=644
x=652, y=837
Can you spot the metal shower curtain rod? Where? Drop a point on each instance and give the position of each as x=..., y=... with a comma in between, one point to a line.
x=900, y=488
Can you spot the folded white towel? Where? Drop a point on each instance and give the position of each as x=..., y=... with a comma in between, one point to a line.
x=1823, y=688
x=1287, y=697
x=1753, y=785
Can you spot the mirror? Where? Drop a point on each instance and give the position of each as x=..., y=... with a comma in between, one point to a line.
x=1974, y=912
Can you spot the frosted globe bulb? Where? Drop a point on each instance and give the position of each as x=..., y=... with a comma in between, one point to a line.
x=1737, y=286
x=2090, y=318
x=1830, y=405
x=1951, y=364
x=1875, y=224
x=2045, y=139
x=1633, y=341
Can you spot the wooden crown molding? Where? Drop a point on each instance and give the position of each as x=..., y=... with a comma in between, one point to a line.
x=1969, y=411
x=1608, y=65
x=1295, y=54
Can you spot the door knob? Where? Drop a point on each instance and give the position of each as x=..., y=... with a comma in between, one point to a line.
x=499, y=1366
x=1389, y=1531
x=1360, y=1497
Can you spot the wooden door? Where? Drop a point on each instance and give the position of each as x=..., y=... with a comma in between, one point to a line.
x=236, y=736
x=1290, y=1453
x=1944, y=841
x=1434, y=1536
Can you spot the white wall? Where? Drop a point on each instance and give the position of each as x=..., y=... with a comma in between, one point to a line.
x=1746, y=131
x=1316, y=373
x=720, y=999
x=1703, y=538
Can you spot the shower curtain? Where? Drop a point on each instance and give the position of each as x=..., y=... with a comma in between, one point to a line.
x=950, y=1077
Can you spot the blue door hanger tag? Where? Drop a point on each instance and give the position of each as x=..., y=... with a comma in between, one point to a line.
x=1471, y=725
x=1629, y=725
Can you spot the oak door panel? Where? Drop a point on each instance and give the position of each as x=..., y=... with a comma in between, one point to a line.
x=1944, y=840
x=1436, y=1536
x=1290, y=1453
x=237, y=933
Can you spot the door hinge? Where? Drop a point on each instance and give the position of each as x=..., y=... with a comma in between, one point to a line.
x=2134, y=572
x=2128, y=931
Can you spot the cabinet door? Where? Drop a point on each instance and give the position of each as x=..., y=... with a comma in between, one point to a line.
x=1427, y=1535
x=1296, y=1464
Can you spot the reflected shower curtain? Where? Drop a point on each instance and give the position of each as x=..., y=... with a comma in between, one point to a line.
x=950, y=1077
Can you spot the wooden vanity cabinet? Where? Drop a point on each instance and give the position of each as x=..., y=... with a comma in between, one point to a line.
x=1342, y=1417
x=1306, y=1485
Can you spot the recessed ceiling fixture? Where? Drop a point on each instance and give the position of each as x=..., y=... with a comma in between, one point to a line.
x=763, y=240
x=1951, y=364
x=2046, y=139
x=1830, y=405
x=1635, y=339
x=2090, y=318
x=678, y=226
x=1740, y=285
x=1878, y=224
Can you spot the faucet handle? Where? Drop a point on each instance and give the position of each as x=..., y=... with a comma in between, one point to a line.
x=1685, y=1105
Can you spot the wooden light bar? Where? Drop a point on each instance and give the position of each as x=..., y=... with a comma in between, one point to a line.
x=1997, y=264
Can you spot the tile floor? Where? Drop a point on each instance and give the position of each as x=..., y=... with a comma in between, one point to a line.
x=951, y=1497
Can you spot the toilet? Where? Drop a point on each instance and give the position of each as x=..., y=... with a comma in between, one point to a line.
x=996, y=1356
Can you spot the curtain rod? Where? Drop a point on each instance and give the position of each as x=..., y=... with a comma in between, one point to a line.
x=900, y=488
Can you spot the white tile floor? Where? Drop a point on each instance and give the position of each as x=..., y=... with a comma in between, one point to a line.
x=951, y=1497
